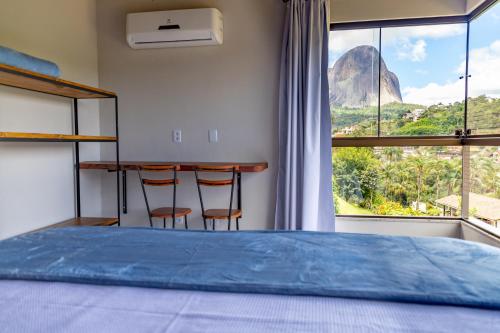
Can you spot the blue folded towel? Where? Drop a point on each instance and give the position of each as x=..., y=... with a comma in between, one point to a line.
x=17, y=59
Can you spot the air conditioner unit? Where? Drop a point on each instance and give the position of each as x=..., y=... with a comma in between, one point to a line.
x=175, y=28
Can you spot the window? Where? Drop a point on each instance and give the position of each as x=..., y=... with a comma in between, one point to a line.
x=483, y=195
x=427, y=143
x=408, y=181
x=353, y=78
x=424, y=64
x=484, y=69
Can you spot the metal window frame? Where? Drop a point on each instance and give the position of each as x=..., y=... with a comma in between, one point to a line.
x=392, y=23
x=460, y=139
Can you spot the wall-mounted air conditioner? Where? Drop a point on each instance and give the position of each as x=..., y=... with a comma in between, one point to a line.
x=175, y=28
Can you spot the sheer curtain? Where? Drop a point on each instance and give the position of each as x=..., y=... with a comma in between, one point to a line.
x=304, y=196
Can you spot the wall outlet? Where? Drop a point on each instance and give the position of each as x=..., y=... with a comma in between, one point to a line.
x=213, y=136
x=177, y=136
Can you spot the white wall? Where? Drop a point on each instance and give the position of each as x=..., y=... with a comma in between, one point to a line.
x=233, y=87
x=473, y=4
x=36, y=180
x=475, y=234
x=399, y=227
x=363, y=10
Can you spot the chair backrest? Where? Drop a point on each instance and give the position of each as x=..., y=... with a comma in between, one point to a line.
x=159, y=182
x=233, y=169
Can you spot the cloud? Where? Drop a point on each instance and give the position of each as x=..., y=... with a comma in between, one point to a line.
x=409, y=41
x=412, y=51
x=484, y=67
x=341, y=41
x=390, y=35
x=434, y=93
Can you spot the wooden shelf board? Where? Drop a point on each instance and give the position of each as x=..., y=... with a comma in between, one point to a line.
x=24, y=79
x=19, y=136
x=87, y=222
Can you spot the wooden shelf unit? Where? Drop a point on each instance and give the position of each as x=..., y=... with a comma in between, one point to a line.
x=32, y=81
x=42, y=137
x=24, y=79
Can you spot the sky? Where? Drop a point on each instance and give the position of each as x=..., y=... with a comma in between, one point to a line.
x=429, y=60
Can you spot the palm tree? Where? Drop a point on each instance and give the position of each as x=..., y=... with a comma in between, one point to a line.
x=419, y=164
x=485, y=173
x=436, y=173
x=392, y=154
x=452, y=174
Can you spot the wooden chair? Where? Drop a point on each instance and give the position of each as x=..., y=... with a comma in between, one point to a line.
x=218, y=214
x=163, y=212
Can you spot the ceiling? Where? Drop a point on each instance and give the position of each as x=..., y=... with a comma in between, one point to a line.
x=374, y=10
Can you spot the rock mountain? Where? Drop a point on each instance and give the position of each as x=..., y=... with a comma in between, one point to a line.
x=354, y=80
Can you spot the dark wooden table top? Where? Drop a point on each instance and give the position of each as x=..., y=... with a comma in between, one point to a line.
x=185, y=166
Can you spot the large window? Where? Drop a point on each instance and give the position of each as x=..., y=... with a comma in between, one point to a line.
x=484, y=69
x=483, y=196
x=416, y=120
x=354, y=95
x=407, y=181
x=427, y=62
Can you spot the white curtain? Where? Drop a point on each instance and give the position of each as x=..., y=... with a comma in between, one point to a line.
x=304, y=196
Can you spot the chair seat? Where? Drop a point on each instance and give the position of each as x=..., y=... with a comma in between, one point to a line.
x=165, y=212
x=221, y=214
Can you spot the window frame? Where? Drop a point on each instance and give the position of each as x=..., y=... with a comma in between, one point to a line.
x=461, y=138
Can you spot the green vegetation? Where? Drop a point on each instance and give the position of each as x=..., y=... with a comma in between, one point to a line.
x=439, y=119
x=484, y=115
x=391, y=180
x=349, y=209
x=408, y=181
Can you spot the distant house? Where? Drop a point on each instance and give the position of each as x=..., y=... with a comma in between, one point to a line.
x=414, y=115
x=450, y=153
x=419, y=206
x=409, y=151
x=482, y=207
x=347, y=130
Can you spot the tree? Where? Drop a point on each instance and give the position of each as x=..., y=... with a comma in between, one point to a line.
x=419, y=164
x=392, y=154
x=356, y=174
x=485, y=172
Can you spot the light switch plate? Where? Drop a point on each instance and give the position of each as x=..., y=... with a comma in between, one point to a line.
x=177, y=136
x=213, y=136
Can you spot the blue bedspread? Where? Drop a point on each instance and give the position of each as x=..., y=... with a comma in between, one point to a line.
x=17, y=59
x=418, y=270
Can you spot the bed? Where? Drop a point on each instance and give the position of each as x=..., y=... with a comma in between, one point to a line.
x=146, y=280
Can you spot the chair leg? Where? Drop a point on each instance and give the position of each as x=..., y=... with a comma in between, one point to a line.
x=173, y=222
x=186, y=222
x=205, y=223
x=150, y=221
x=164, y=223
x=229, y=225
x=238, y=224
x=213, y=224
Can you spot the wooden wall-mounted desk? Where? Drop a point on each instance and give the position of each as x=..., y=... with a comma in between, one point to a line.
x=185, y=166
